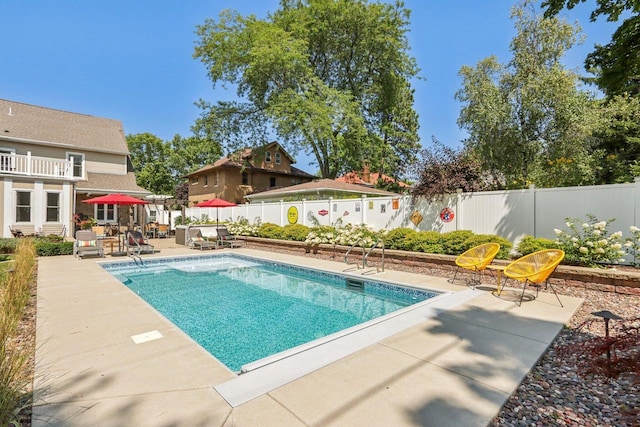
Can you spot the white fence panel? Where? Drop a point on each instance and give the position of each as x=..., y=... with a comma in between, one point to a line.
x=554, y=205
x=510, y=214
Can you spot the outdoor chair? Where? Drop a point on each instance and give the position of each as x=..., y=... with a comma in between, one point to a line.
x=15, y=232
x=198, y=241
x=99, y=230
x=87, y=243
x=137, y=243
x=162, y=230
x=226, y=239
x=534, y=269
x=476, y=259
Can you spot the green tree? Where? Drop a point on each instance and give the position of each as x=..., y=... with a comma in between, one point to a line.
x=149, y=156
x=619, y=139
x=330, y=77
x=616, y=64
x=191, y=153
x=528, y=122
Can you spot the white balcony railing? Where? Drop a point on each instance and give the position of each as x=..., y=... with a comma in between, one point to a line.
x=28, y=165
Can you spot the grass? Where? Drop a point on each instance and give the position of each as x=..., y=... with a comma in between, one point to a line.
x=15, y=292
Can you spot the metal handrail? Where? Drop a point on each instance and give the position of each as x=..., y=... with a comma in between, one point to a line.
x=346, y=256
x=364, y=258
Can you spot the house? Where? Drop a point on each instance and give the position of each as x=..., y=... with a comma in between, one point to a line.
x=245, y=172
x=365, y=177
x=52, y=160
x=318, y=190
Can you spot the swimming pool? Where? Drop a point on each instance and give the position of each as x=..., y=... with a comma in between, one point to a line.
x=242, y=309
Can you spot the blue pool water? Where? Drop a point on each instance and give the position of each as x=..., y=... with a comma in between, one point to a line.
x=243, y=309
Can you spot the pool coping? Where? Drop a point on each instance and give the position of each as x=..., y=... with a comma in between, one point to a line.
x=455, y=368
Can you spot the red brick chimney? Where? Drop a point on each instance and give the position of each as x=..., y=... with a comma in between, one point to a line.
x=366, y=173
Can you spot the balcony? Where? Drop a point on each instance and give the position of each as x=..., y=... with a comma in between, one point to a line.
x=37, y=167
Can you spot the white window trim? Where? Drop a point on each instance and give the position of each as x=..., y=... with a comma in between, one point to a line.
x=267, y=156
x=46, y=207
x=278, y=158
x=15, y=211
x=83, y=164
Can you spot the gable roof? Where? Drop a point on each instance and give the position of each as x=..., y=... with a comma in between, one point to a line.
x=242, y=158
x=98, y=183
x=46, y=126
x=323, y=186
x=356, y=178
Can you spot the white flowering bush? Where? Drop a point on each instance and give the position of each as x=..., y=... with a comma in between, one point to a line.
x=590, y=243
x=241, y=227
x=632, y=245
x=344, y=235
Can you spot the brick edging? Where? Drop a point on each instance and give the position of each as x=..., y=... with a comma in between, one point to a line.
x=624, y=281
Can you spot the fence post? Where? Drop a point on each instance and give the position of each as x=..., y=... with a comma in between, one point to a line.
x=304, y=211
x=636, y=210
x=532, y=209
x=363, y=209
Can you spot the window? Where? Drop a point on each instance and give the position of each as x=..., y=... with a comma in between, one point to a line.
x=206, y=180
x=78, y=164
x=23, y=206
x=105, y=213
x=152, y=216
x=272, y=181
x=194, y=180
x=53, y=207
x=278, y=158
x=216, y=178
x=267, y=156
x=7, y=159
x=245, y=178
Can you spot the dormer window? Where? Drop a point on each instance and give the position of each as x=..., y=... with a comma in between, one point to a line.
x=267, y=157
x=278, y=158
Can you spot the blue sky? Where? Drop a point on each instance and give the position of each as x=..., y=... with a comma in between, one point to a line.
x=132, y=60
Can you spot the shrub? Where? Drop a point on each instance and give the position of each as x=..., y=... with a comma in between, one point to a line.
x=270, y=231
x=530, y=244
x=479, y=239
x=425, y=241
x=241, y=227
x=321, y=234
x=590, y=243
x=296, y=232
x=632, y=245
x=397, y=238
x=47, y=248
x=455, y=242
x=7, y=246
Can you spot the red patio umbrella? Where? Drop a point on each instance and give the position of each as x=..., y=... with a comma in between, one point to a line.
x=215, y=203
x=116, y=199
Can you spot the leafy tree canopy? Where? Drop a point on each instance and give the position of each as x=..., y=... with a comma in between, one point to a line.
x=527, y=120
x=330, y=77
x=616, y=64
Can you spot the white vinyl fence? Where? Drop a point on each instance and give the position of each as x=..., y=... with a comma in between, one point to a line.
x=510, y=214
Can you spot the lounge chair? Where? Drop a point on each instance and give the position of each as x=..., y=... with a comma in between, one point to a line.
x=227, y=239
x=196, y=240
x=476, y=259
x=535, y=269
x=87, y=243
x=137, y=243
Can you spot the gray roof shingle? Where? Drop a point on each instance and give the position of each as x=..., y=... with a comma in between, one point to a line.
x=47, y=126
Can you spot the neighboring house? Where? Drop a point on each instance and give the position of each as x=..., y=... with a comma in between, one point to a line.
x=318, y=190
x=245, y=172
x=365, y=177
x=51, y=160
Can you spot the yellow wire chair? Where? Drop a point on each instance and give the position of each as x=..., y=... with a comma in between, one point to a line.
x=476, y=259
x=534, y=269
